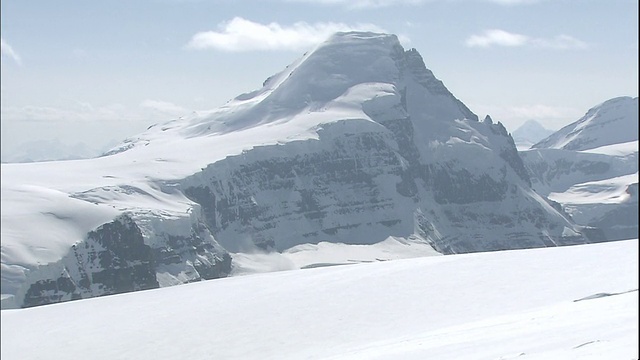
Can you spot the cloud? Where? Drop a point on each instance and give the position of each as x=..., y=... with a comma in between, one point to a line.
x=560, y=42
x=8, y=51
x=497, y=37
x=244, y=35
x=513, y=2
x=358, y=4
x=83, y=112
x=164, y=107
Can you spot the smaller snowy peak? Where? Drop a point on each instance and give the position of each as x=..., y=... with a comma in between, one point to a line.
x=615, y=121
x=530, y=133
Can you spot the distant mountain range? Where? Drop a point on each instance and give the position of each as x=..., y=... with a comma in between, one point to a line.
x=52, y=150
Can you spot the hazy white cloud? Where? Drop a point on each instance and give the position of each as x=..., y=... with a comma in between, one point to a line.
x=244, y=35
x=359, y=4
x=560, y=42
x=8, y=51
x=513, y=2
x=83, y=112
x=164, y=107
x=497, y=37
x=363, y=3
x=77, y=113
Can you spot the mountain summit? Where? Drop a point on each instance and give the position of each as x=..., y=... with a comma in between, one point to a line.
x=355, y=143
x=330, y=83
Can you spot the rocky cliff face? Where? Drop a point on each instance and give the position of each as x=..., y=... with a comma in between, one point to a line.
x=424, y=166
x=355, y=142
x=114, y=259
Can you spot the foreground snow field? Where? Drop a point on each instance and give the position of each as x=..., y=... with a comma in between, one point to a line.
x=576, y=302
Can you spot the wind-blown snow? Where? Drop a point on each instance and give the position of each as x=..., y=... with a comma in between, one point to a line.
x=578, y=302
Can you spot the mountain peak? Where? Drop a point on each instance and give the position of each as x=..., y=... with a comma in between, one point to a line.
x=614, y=121
x=343, y=73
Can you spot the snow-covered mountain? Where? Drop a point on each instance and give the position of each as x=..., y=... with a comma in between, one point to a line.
x=356, y=143
x=529, y=134
x=591, y=168
x=615, y=121
x=576, y=302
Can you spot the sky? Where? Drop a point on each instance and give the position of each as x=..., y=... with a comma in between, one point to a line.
x=101, y=71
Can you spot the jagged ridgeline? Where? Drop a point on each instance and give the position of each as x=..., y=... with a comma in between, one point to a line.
x=353, y=143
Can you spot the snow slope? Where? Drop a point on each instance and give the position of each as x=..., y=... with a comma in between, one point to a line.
x=615, y=121
x=578, y=302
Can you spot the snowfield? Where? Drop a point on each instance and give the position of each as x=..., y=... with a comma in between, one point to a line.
x=575, y=302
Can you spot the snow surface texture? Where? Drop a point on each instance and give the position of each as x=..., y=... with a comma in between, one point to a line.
x=355, y=143
x=578, y=302
x=590, y=167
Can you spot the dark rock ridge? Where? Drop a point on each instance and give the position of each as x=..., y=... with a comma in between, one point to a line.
x=114, y=259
